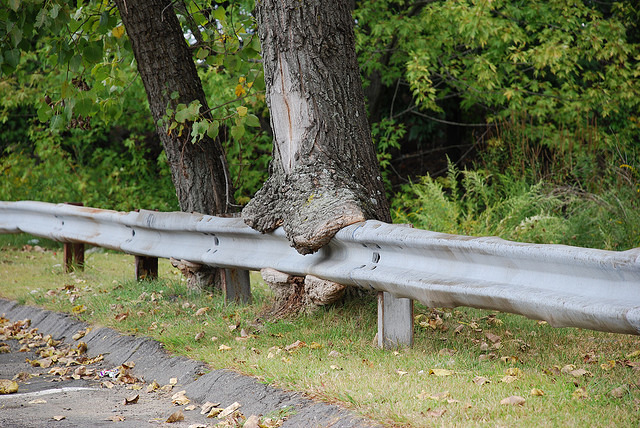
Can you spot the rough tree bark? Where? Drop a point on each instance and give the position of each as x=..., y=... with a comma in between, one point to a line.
x=199, y=171
x=324, y=174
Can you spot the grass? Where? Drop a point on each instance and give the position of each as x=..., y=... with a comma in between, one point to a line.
x=436, y=383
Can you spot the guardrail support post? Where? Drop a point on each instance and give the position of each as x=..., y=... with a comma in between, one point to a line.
x=237, y=286
x=395, y=321
x=73, y=255
x=146, y=268
x=73, y=252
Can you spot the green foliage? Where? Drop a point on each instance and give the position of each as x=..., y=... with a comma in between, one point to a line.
x=565, y=73
x=74, y=70
x=480, y=203
x=563, y=64
x=104, y=177
x=386, y=136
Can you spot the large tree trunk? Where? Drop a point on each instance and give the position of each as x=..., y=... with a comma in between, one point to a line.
x=324, y=174
x=199, y=171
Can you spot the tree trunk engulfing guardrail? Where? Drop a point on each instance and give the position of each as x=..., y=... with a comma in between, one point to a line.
x=565, y=286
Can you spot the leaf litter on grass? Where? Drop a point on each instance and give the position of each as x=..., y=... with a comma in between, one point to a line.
x=449, y=340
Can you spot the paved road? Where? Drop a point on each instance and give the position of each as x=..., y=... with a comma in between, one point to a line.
x=87, y=403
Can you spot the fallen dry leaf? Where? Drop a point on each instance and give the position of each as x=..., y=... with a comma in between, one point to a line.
x=509, y=379
x=201, y=311
x=493, y=338
x=224, y=347
x=153, y=386
x=608, y=365
x=116, y=418
x=8, y=386
x=334, y=354
x=252, y=421
x=437, y=396
x=633, y=354
x=215, y=411
x=206, y=407
x=180, y=399
x=440, y=372
x=295, y=346
x=436, y=413
x=568, y=368
x=190, y=407
x=121, y=316
x=175, y=417
x=173, y=381
x=618, y=392
x=513, y=371
x=229, y=410
x=59, y=417
x=537, y=392
x=334, y=367
x=199, y=336
x=315, y=345
x=38, y=401
x=133, y=399
x=446, y=352
x=480, y=380
x=514, y=400
x=580, y=393
x=401, y=373
x=580, y=373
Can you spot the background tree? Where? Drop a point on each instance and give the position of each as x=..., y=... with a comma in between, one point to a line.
x=199, y=169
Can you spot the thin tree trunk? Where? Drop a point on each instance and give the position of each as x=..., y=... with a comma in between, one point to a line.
x=199, y=171
x=324, y=174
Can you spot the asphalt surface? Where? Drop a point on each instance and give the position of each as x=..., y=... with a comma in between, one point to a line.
x=42, y=400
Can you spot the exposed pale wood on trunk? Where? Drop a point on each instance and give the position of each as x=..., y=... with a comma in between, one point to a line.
x=324, y=174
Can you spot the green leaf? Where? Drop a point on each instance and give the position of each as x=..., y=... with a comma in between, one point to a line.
x=84, y=106
x=198, y=129
x=12, y=58
x=57, y=122
x=237, y=132
x=75, y=63
x=202, y=53
x=44, y=113
x=55, y=10
x=174, y=95
x=41, y=17
x=219, y=13
x=213, y=129
x=14, y=4
x=252, y=120
x=182, y=114
x=104, y=19
x=92, y=53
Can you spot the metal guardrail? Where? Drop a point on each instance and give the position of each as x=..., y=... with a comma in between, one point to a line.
x=565, y=286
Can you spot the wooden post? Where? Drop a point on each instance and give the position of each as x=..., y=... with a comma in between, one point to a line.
x=73, y=255
x=395, y=321
x=236, y=286
x=146, y=268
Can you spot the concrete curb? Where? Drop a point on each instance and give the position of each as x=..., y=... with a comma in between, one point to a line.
x=153, y=362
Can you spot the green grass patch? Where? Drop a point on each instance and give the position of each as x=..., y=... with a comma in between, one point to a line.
x=464, y=362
